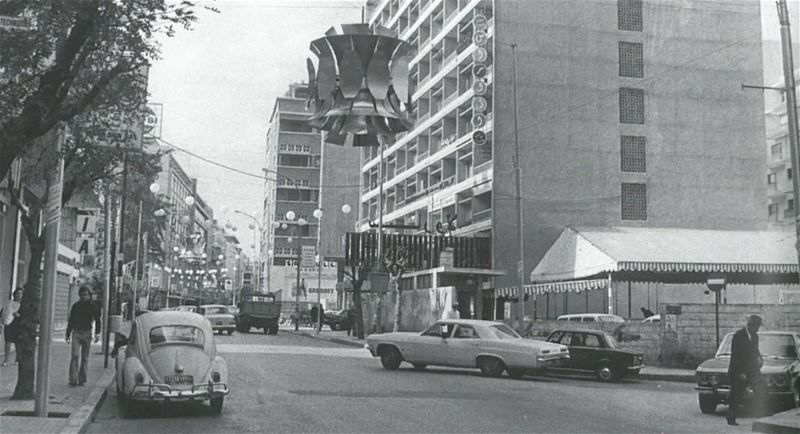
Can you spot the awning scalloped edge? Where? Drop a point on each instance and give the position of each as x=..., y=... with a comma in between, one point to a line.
x=682, y=267
x=542, y=288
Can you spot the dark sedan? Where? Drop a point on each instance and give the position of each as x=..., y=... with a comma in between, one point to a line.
x=596, y=352
x=339, y=320
x=781, y=371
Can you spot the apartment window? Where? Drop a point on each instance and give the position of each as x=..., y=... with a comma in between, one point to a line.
x=634, y=201
x=772, y=210
x=772, y=178
x=631, y=106
x=293, y=160
x=631, y=59
x=777, y=150
x=789, y=173
x=632, y=154
x=790, y=205
x=629, y=15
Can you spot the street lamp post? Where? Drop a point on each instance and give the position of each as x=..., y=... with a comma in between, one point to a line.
x=256, y=253
x=318, y=216
x=290, y=215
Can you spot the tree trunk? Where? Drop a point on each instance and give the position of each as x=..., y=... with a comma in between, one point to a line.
x=29, y=320
x=398, y=300
x=377, y=325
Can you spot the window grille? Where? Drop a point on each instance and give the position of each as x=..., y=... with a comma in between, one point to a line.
x=629, y=15
x=634, y=201
x=631, y=59
x=633, y=154
x=631, y=106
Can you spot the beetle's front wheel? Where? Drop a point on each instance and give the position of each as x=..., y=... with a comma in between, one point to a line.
x=216, y=405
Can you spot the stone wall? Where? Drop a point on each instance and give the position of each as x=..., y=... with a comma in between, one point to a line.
x=688, y=338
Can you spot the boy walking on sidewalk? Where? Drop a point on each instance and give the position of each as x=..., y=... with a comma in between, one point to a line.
x=79, y=324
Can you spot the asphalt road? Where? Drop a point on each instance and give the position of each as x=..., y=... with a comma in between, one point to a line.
x=289, y=383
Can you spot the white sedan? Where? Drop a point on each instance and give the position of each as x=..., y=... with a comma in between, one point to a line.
x=491, y=346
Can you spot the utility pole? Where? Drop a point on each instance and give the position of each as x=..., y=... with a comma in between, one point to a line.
x=107, y=266
x=136, y=265
x=518, y=194
x=47, y=305
x=791, y=111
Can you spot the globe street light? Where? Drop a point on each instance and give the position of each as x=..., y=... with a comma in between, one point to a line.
x=290, y=215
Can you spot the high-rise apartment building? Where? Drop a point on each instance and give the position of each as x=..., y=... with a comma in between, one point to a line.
x=626, y=112
x=780, y=189
x=293, y=151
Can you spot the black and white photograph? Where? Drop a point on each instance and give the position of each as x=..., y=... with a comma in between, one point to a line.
x=399, y=216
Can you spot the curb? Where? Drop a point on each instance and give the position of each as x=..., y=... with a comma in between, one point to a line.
x=675, y=378
x=81, y=418
x=780, y=423
x=327, y=338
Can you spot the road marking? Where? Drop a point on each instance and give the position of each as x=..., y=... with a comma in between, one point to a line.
x=356, y=353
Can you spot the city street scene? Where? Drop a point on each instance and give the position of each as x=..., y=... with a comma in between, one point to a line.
x=399, y=216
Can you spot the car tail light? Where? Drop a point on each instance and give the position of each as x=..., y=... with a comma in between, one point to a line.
x=215, y=376
x=138, y=378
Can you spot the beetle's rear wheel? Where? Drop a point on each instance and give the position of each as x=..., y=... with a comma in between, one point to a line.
x=216, y=405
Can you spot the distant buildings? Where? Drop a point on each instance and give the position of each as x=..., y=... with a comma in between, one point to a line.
x=780, y=190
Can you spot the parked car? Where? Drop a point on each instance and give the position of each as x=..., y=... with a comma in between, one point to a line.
x=170, y=356
x=596, y=352
x=781, y=371
x=591, y=317
x=338, y=320
x=221, y=320
x=490, y=346
x=652, y=319
x=186, y=308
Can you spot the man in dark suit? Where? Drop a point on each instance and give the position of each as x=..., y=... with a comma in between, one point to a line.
x=745, y=367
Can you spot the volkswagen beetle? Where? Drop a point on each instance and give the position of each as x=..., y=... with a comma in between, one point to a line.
x=170, y=356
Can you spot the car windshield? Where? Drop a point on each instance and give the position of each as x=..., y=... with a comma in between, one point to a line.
x=502, y=332
x=184, y=334
x=216, y=310
x=770, y=346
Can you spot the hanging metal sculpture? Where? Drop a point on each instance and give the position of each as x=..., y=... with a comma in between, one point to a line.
x=359, y=89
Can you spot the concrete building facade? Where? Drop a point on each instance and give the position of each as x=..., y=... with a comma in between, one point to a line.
x=629, y=113
x=780, y=190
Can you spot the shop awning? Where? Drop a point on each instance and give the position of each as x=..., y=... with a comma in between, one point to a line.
x=571, y=286
x=589, y=253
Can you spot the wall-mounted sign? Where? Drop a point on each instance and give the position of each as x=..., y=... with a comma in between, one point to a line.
x=479, y=104
x=479, y=137
x=480, y=54
x=479, y=71
x=479, y=38
x=480, y=22
x=479, y=120
x=479, y=87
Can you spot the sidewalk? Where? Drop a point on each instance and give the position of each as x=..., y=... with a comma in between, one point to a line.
x=70, y=408
x=648, y=373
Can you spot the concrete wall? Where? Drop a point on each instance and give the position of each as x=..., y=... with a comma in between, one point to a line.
x=704, y=137
x=420, y=308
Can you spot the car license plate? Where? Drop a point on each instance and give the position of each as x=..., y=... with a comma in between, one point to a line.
x=179, y=379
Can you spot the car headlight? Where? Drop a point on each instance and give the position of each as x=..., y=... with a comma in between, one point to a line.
x=138, y=378
x=778, y=381
x=713, y=380
x=215, y=376
x=707, y=379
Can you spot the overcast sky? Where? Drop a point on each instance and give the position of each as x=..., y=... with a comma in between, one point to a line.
x=218, y=85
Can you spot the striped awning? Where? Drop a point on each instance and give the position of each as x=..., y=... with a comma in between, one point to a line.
x=558, y=287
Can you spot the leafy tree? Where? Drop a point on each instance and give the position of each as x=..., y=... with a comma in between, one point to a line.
x=85, y=167
x=396, y=260
x=359, y=271
x=76, y=55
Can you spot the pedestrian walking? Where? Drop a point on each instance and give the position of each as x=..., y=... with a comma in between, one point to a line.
x=351, y=321
x=8, y=314
x=79, y=331
x=313, y=314
x=320, y=319
x=745, y=367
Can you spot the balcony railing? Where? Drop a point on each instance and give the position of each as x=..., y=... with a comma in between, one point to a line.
x=423, y=251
